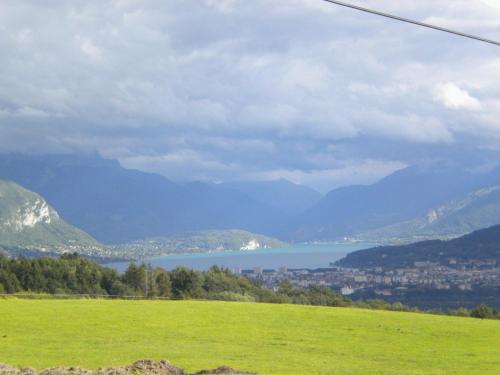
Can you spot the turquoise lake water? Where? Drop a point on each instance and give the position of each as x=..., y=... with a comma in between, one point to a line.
x=295, y=256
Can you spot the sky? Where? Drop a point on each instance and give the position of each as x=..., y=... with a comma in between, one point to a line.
x=226, y=90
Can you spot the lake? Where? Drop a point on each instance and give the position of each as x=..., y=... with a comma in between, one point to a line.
x=295, y=256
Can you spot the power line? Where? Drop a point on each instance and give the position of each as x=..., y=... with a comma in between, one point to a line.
x=407, y=20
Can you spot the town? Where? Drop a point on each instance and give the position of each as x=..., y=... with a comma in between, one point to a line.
x=463, y=276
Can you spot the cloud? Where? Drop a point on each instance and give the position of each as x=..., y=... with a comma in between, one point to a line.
x=90, y=49
x=495, y=4
x=352, y=172
x=453, y=97
x=224, y=6
x=232, y=88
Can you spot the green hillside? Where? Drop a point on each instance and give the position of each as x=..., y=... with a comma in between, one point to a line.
x=481, y=245
x=269, y=339
x=28, y=222
x=199, y=242
x=476, y=210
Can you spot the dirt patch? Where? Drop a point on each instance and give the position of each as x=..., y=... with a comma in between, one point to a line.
x=137, y=368
x=223, y=370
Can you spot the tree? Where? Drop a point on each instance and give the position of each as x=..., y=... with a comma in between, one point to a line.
x=135, y=277
x=186, y=283
x=483, y=312
x=9, y=282
x=163, y=283
x=285, y=287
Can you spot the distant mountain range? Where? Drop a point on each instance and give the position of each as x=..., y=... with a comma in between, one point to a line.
x=118, y=205
x=414, y=203
x=30, y=226
x=476, y=210
x=480, y=245
x=282, y=194
x=28, y=222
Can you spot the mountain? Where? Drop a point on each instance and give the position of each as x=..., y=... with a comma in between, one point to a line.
x=282, y=194
x=482, y=245
x=402, y=196
x=118, y=205
x=28, y=222
x=203, y=206
x=199, y=242
x=476, y=210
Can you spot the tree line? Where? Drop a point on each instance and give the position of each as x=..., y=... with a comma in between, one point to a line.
x=73, y=274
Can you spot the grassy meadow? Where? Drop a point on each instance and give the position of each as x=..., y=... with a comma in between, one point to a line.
x=269, y=339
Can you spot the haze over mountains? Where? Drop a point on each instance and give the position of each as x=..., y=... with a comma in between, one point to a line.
x=117, y=205
x=476, y=210
x=282, y=194
x=382, y=210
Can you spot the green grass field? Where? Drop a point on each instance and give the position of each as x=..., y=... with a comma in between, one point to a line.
x=269, y=339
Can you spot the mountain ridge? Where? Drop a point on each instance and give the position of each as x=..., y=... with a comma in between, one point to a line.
x=28, y=222
x=403, y=196
x=476, y=210
x=480, y=245
x=117, y=205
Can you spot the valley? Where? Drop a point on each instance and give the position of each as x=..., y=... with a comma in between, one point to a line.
x=373, y=213
x=123, y=206
x=209, y=187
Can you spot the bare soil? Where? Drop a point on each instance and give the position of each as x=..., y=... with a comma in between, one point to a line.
x=139, y=367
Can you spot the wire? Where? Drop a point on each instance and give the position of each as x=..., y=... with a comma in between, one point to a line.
x=407, y=20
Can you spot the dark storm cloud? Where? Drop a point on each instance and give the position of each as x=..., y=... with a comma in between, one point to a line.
x=232, y=89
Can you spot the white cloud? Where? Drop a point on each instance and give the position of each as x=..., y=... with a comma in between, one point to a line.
x=224, y=6
x=453, y=97
x=354, y=172
x=492, y=3
x=90, y=49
